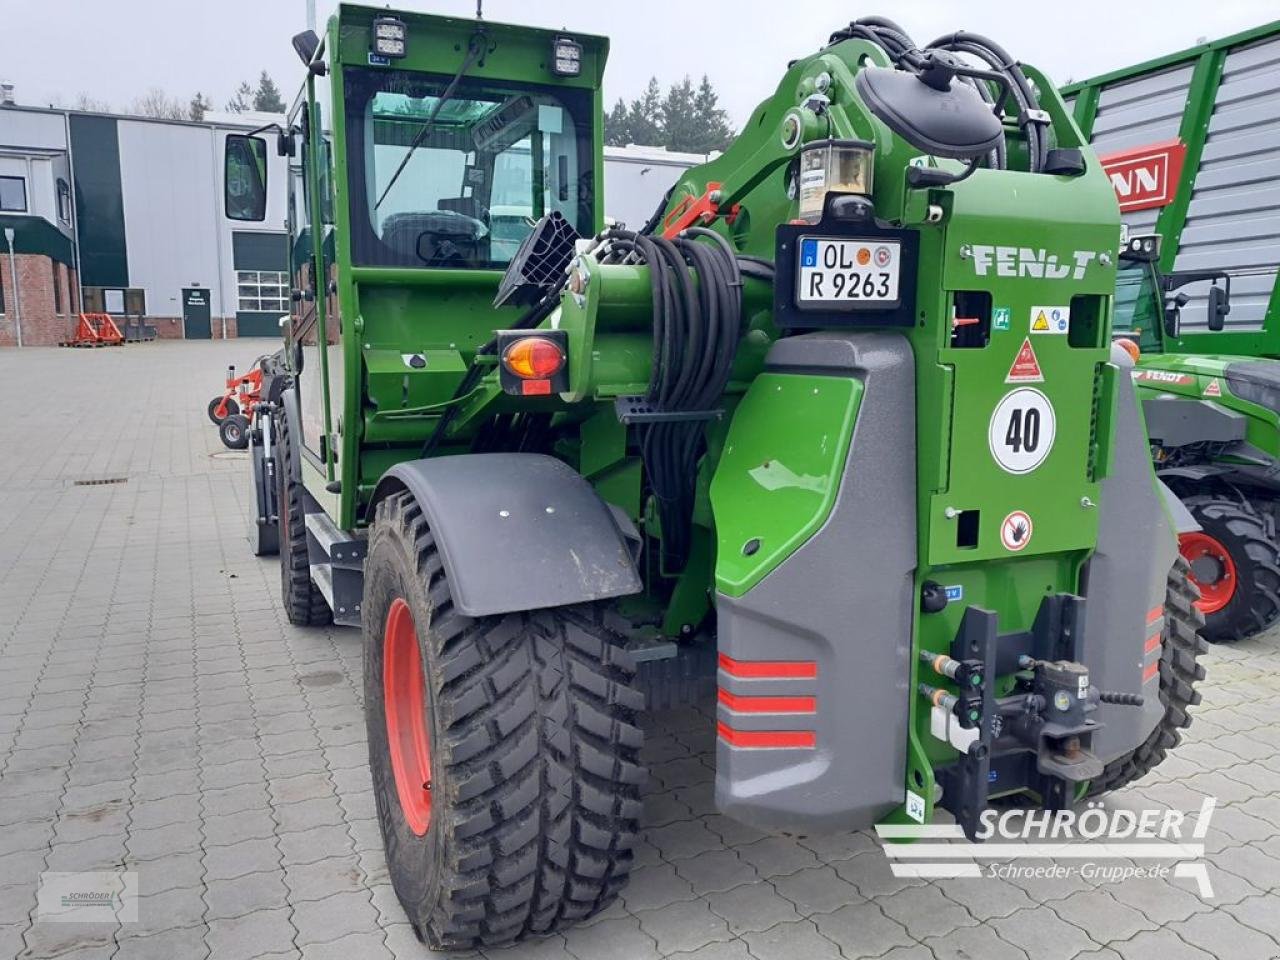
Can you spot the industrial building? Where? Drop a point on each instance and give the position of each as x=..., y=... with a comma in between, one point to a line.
x=123, y=215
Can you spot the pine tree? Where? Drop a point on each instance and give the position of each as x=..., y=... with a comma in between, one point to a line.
x=617, y=128
x=243, y=99
x=714, y=119
x=644, y=117
x=199, y=106
x=681, y=126
x=267, y=99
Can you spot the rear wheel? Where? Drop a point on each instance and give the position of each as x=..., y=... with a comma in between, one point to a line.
x=304, y=604
x=504, y=750
x=216, y=403
x=1181, y=646
x=1235, y=562
x=234, y=432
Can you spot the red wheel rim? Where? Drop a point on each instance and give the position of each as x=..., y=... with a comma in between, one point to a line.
x=1204, y=552
x=404, y=693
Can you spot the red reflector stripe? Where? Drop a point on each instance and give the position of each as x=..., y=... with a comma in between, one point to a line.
x=1152, y=644
x=1151, y=671
x=1154, y=614
x=741, y=704
x=768, y=739
x=535, y=388
x=768, y=669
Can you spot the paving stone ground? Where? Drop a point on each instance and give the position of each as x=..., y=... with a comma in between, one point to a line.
x=158, y=715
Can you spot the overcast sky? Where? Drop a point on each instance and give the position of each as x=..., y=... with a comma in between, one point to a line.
x=114, y=50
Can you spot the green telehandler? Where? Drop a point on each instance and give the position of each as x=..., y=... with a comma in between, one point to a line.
x=840, y=435
x=1214, y=425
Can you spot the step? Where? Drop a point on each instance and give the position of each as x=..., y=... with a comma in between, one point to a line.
x=335, y=545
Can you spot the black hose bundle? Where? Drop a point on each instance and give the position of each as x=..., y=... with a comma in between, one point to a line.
x=696, y=328
x=903, y=52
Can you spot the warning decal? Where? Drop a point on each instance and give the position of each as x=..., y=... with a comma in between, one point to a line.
x=1050, y=319
x=1214, y=389
x=1026, y=368
x=1015, y=531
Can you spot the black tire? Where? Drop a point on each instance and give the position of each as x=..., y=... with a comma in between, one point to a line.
x=304, y=604
x=1252, y=548
x=535, y=773
x=232, y=407
x=234, y=432
x=1181, y=646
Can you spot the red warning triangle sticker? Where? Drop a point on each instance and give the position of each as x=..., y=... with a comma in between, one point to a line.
x=1214, y=389
x=1026, y=368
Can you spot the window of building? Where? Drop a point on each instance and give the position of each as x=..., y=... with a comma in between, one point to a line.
x=264, y=290
x=64, y=201
x=1, y=291
x=13, y=194
x=57, y=286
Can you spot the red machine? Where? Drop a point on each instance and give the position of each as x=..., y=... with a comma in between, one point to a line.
x=232, y=411
x=95, y=330
x=240, y=396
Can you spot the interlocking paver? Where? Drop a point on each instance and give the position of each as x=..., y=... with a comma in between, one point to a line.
x=752, y=908
x=683, y=926
x=1212, y=931
x=965, y=943
x=816, y=890
x=1043, y=934
x=1162, y=944
x=226, y=899
x=171, y=722
x=786, y=941
x=252, y=936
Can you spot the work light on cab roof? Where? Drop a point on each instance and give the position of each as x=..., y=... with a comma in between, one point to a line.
x=389, y=37
x=566, y=57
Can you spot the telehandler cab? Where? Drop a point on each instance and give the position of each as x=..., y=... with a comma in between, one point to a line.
x=840, y=433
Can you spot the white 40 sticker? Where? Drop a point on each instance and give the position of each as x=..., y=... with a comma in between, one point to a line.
x=1022, y=430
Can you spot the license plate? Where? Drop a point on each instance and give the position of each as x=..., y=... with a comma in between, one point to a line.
x=849, y=274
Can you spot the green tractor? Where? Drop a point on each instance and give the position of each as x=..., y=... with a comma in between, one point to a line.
x=839, y=435
x=1214, y=425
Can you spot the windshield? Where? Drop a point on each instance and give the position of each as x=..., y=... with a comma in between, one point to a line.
x=1138, y=305
x=496, y=157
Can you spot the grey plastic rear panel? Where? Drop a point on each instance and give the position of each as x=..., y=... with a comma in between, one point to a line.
x=1127, y=578
x=843, y=600
x=1233, y=222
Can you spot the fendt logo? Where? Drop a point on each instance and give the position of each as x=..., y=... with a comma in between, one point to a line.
x=1145, y=177
x=1031, y=262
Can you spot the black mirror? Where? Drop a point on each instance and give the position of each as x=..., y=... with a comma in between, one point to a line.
x=244, y=181
x=1219, y=307
x=305, y=44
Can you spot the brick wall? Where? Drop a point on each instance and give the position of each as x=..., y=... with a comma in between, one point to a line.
x=42, y=323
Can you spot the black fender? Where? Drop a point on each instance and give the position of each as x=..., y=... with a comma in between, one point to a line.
x=518, y=531
x=1183, y=521
x=291, y=410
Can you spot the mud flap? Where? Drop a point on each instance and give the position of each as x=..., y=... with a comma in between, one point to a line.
x=1126, y=581
x=814, y=658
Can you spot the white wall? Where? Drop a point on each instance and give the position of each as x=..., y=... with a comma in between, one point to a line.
x=32, y=128
x=171, y=226
x=176, y=234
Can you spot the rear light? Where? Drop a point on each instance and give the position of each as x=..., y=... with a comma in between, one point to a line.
x=533, y=363
x=533, y=358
